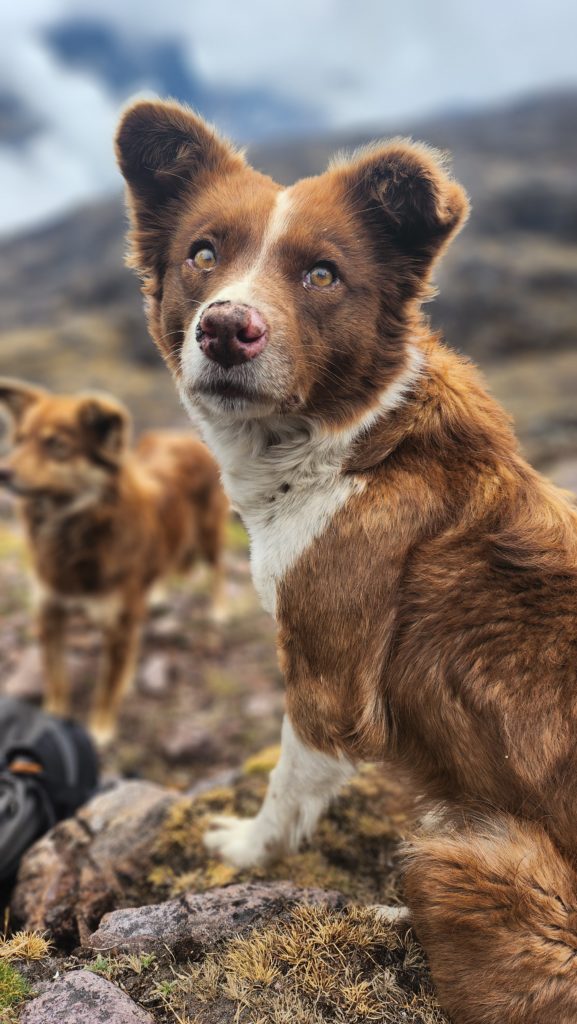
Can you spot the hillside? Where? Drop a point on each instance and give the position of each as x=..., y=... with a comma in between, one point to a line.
x=71, y=313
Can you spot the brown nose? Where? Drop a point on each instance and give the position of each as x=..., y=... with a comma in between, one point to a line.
x=230, y=333
x=6, y=475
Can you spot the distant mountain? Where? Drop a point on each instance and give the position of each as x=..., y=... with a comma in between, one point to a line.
x=72, y=313
x=17, y=122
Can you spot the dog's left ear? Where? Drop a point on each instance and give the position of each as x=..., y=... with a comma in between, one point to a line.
x=406, y=192
x=105, y=424
x=16, y=396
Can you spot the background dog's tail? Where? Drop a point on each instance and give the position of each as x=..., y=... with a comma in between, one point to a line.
x=494, y=904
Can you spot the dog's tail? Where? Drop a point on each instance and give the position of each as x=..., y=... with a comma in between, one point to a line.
x=494, y=904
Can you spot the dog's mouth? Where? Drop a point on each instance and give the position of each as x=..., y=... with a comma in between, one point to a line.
x=229, y=389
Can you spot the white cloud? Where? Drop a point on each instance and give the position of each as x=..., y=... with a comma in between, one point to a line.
x=365, y=62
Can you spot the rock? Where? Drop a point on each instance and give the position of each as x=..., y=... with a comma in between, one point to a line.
x=194, y=922
x=189, y=741
x=82, y=997
x=27, y=679
x=155, y=675
x=564, y=474
x=167, y=628
x=82, y=867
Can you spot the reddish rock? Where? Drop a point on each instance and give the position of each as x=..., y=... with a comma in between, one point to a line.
x=82, y=997
x=80, y=869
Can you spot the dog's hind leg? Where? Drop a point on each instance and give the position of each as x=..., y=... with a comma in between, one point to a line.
x=51, y=623
x=494, y=904
x=300, y=789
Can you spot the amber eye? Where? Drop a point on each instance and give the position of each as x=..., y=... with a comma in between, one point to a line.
x=203, y=257
x=321, y=276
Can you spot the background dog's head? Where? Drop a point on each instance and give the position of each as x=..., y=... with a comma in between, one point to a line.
x=63, y=446
x=269, y=300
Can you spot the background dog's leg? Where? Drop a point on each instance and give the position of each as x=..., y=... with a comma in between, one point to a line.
x=121, y=643
x=494, y=904
x=211, y=541
x=51, y=635
x=218, y=605
x=300, y=788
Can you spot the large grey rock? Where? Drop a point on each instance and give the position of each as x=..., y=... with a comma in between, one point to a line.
x=79, y=870
x=196, y=921
x=83, y=998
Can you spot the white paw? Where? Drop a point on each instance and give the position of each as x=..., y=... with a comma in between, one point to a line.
x=237, y=841
x=395, y=916
x=103, y=732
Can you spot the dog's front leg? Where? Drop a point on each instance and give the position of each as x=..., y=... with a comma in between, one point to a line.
x=300, y=789
x=121, y=643
x=51, y=620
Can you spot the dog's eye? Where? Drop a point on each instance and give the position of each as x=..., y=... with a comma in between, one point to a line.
x=202, y=256
x=55, y=447
x=321, y=276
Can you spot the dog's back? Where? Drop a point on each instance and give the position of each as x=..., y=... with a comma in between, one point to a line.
x=191, y=503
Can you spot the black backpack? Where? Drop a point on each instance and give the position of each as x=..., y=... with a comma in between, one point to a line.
x=48, y=768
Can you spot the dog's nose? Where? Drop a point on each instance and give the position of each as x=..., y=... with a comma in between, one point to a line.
x=230, y=333
x=6, y=476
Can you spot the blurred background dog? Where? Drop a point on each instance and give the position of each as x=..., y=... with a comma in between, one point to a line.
x=103, y=524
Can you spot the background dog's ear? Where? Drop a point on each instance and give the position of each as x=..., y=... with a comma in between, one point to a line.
x=106, y=428
x=163, y=151
x=16, y=396
x=407, y=192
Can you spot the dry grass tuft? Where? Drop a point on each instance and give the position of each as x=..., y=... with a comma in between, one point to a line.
x=315, y=966
x=25, y=946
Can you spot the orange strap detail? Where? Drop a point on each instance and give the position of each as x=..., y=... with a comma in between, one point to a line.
x=25, y=768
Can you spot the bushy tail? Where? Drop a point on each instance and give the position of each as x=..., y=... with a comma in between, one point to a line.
x=494, y=904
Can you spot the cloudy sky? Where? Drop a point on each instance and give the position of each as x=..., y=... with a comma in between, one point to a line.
x=320, y=65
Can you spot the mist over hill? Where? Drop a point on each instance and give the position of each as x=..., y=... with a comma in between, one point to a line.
x=71, y=312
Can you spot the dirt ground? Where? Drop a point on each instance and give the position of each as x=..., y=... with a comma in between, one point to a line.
x=205, y=696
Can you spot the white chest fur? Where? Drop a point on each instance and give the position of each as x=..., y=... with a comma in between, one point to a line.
x=285, y=480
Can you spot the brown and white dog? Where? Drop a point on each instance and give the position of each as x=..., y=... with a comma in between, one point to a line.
x=422, y=575
x=104, y=523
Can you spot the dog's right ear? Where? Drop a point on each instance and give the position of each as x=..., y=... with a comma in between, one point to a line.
x=105, y=425
x=16, y=396
x=164, y=152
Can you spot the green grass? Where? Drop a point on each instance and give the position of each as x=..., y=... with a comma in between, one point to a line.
x=13, y=989
x=236, y=535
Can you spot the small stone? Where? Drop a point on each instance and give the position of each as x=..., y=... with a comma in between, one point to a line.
x=166, y=627
x=194, y=922
x=189, y=741
x=83, y=997
x=155, y=675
